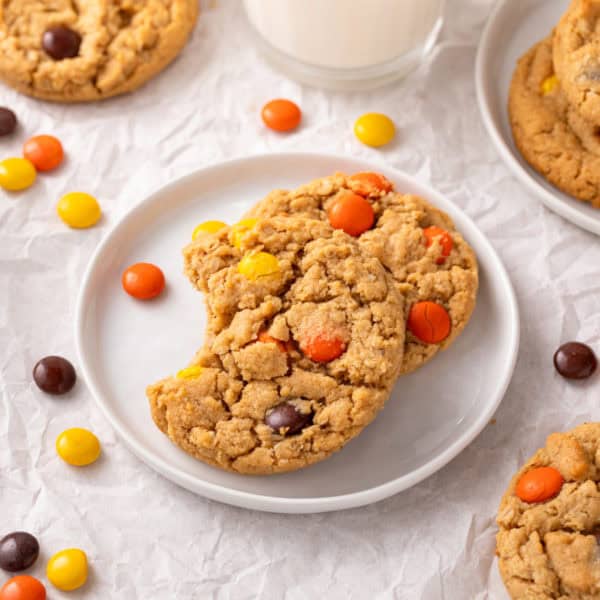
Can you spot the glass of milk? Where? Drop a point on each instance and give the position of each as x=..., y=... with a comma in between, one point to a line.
x=346, y=44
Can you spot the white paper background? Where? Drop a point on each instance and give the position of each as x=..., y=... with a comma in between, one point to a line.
x=147, y=538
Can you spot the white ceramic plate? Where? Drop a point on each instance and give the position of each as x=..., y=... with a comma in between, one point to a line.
x=513, y=27
x=124, y=344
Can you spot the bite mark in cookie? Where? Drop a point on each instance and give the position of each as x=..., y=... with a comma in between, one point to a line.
x=297, y=361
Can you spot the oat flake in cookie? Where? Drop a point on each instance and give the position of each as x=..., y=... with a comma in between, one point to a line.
x=82, y=50
x=305, y=342
x=433, y=266
x=547, y=545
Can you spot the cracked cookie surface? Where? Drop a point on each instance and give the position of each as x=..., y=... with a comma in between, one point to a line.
x=124, y=43
x=549, y=550
x=397, y=238
x=549, y=132
x=576, y=54
x=301, y=354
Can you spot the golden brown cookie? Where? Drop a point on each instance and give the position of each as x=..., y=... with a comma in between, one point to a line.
x=74, y=51
x=550, y=134
x=576, y=54
x=419, y=245
x=305, y=342
x=547, y=546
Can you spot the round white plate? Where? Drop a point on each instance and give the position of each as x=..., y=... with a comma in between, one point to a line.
x=124, y=345
x=513, y=27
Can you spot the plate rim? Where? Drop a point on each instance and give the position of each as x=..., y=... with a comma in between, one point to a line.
x=521, y=172
x=270, y=503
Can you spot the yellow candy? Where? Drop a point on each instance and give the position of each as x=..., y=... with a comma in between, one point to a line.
x=17, y=174
x=79, y=210
x=549, y=84
x=192, y=372
x=258, y=264
x=68, y=569
x=239, y=229
x=208, y=227
x=374, y=129
x=78, y=447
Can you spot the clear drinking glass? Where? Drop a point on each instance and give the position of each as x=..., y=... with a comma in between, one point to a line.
x=345, y=44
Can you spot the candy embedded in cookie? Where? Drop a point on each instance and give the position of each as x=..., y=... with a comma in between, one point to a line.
x=417, y=243
x=299, y=357
x=539, y=484
x=429, y=322
x=60, y=42
x=548, y=520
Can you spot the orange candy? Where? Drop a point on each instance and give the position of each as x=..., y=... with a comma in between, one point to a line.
x=352, y=213
x=281, y=115
x=371, y=181
x=429, y=321
x=23, y=587
x=445, y=240
x=265, y=338
x=323, y=348
x=539, y=484
x=44, y=151
x=143, y=281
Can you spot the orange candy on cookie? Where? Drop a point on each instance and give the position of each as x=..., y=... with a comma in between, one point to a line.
x=44, y=151
x=323, y=348
x=539, y=484
x=265, y=338
x=371, y=181
x=445, y=240
x=429, y=321
x=352, y=213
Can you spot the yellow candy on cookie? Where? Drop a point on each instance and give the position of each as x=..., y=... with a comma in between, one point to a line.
x=549, y=84
x=239, y=229
x=192, y=372
x=258, y=264
x=208, y=227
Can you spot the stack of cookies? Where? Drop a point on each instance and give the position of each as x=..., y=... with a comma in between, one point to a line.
x=554, y=103
x=317, y=301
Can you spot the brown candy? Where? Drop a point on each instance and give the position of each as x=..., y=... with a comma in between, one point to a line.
x=575, y=360
x=18, y=551
x=287, y=420
x=8, y=121
x=54, y=375
x=60, y=42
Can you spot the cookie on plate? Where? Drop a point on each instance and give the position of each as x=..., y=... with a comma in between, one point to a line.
x=549, y=521
x=75, y=52
x=550, y=134
x=433, y=266
x=305, y=342
x=576, y=54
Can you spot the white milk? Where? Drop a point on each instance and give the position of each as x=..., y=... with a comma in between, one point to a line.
x=346, y=35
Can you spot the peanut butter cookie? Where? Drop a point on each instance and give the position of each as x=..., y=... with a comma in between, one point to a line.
x=576, y=54
x=549, y=520
x=305, y=342
x=432, y=265
x=549, y=132
x=77, y=51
